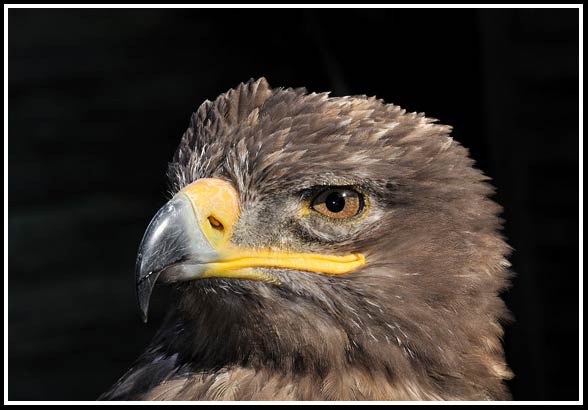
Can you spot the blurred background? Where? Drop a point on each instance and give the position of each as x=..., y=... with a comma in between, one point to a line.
x=98, y=100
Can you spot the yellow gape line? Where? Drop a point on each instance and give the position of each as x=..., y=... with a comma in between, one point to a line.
x=238, y=258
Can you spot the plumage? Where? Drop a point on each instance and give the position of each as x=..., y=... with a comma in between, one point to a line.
x=421, y=320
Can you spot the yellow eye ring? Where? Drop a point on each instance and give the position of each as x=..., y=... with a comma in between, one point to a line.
x=339, y=203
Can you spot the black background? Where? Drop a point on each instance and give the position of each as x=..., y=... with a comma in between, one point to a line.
x=98, y=100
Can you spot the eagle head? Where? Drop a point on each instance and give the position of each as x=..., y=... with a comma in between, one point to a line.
x=322, y=248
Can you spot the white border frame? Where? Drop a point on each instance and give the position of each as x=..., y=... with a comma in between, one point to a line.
x=312, y=6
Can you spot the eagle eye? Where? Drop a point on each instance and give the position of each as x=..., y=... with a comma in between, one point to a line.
x=338, y=203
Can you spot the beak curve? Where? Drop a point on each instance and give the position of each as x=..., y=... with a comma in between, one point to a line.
x=166, y=248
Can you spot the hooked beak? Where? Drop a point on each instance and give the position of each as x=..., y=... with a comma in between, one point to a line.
x=189, y=238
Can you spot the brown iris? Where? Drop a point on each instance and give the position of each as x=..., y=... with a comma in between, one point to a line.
x=339, y=203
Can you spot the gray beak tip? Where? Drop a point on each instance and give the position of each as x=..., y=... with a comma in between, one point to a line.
x=145, y=287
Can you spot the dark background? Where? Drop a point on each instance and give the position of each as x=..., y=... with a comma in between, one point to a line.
x=98, y=100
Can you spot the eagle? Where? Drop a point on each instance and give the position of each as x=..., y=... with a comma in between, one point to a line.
x=322, y=248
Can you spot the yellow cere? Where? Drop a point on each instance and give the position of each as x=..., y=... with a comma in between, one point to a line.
x=216, y=204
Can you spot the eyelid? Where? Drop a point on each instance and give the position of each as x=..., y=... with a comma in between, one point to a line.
x=315, y=190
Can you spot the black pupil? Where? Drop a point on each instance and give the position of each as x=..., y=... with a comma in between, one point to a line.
x=335, y=202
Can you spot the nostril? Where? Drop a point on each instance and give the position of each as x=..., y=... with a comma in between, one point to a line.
x=215, y=223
